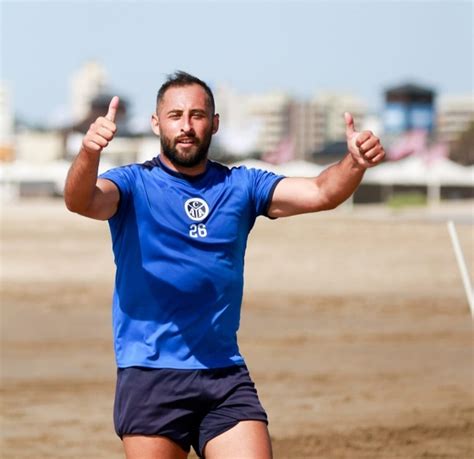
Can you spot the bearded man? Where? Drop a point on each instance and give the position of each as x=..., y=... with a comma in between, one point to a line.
x=179, y=225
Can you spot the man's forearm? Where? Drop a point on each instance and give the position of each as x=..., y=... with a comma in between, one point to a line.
x=338, y=182
x=81, y=181
x=80, y=191
x=334, y=185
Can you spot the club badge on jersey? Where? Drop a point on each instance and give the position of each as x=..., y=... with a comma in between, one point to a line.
x=197, y=210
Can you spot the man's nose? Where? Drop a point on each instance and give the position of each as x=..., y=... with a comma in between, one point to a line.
x=187, y=125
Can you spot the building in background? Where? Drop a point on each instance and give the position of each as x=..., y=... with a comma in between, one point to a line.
x=330, y=108
x=454, y=115
x=238, y=133
x=409, y=123
x=318, y=124
x=306, y=128
x=271, y=112
x=126, y=145
x=252, y=124
x=409, y=107
x=86, y=84
x=273, y=126
x=269, y=122
x=329, y=141
x=39, y=146
x=455, y=126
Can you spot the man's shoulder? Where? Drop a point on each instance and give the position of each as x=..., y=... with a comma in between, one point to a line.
x=218, y=167
x=124, y=168
x=149, y=164
x=239, y=174
x=132, y=169
x=249, y=172
x=233, y=169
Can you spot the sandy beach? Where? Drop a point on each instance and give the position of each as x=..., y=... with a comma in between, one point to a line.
x=355, y=327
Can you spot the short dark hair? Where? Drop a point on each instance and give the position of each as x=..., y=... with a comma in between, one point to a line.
x=180, y=78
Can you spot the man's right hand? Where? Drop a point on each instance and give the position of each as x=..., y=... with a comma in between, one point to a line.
x=102, y=131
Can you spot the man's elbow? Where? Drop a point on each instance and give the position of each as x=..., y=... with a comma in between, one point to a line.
x=70, y=200
x=70, y=203
x=91, y=210
x=330, y=206
x=74, y=207
x=326, y=206
x=333, y=203
x=328, y=202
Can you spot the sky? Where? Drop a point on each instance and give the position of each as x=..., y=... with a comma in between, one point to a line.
x=302, y=47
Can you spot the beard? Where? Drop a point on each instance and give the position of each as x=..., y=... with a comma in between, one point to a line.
x=191, y=158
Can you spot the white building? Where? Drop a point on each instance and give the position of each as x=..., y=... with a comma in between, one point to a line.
x=454, y=114
x=307, y=128
x=331, y=107
x=267, y=120
x=271, y=112
x=88, y=82
x=252, y=122
x=237, y=131
x=39, y=146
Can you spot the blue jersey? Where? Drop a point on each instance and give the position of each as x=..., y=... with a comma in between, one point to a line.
x=179, y=245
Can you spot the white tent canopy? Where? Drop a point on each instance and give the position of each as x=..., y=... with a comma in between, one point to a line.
x=412, y=171
x=416, y=171
x=24, y=172
x=300, y=169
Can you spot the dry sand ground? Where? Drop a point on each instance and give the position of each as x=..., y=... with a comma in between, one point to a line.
x=355, y=327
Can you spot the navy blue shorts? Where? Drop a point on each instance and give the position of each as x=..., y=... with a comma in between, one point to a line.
x=189, y=407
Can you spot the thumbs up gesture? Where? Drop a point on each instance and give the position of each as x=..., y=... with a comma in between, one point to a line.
x=102, y=131
x=364, y=147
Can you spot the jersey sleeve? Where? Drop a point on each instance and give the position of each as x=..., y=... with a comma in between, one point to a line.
x=122, y=177
x=263, y=184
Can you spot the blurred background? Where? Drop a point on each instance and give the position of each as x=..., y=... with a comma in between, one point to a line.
x=355, y=323
x=283, y=73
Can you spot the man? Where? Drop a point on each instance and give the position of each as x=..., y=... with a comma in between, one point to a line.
x=179, y=226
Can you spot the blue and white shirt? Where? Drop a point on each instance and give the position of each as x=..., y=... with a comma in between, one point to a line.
x=179, y=244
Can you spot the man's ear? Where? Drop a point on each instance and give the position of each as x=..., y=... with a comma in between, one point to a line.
x=155, y=125
x=215, y=123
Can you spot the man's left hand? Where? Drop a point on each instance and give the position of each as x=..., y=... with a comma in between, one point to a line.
x=364, y=147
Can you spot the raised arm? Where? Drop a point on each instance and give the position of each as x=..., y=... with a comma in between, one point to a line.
x=84, y=193
x=296, y=195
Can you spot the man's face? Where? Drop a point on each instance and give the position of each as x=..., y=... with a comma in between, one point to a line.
x=185, y=124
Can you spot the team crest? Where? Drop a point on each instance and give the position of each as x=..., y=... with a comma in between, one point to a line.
x=196, y=209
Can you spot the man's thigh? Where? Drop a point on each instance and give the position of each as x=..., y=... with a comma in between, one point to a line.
x=247, y=440
x=151, y=447
x=149, y=406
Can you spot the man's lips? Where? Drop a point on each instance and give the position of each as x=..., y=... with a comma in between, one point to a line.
x=186, y=141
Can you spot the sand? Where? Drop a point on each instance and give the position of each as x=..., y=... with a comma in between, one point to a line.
x=355, y=328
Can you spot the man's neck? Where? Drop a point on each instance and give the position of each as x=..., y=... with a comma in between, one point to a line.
x=191, y=171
